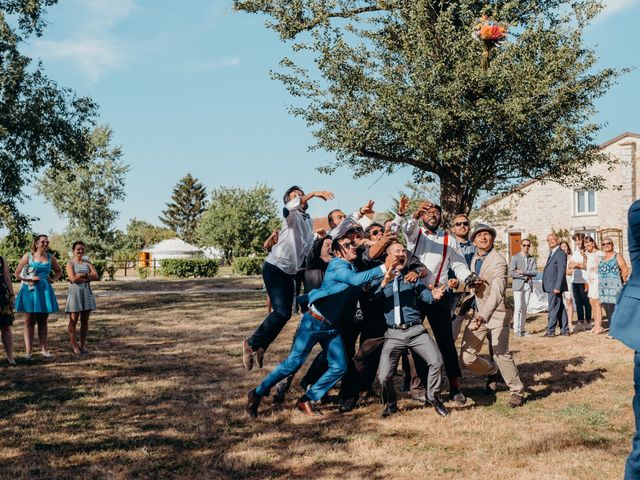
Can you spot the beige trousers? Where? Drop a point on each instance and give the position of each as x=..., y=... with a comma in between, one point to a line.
x=472, y=342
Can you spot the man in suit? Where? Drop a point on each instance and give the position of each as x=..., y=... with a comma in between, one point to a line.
x=625, y=326
x=522, y=270
x=554, y=282
x=492, y=315
x=330, y=306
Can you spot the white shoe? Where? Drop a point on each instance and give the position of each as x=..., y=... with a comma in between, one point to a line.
x=46, y=353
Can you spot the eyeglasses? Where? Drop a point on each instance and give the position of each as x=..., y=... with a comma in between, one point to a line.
x=375, y=232
x=348, y=245
x=459, y=224
x=607, y=243
x=526, y=244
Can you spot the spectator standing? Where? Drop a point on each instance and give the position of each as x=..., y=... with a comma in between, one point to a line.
x=36, y=298
x=594, y=255
x=522, y=270
x=80, y=299
x=612, y=273
x=7, y=301
x=567, y=297
x=554, y=283
x=579, y=281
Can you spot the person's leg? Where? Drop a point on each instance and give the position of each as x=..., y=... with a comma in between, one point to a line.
x=563, y=320
x=579, y=295
x=316, y=369
x=568, y=306
x=29, y=329
x=350, y=384
x=519, y=317
x=84, y=330
x=472, y=341
x=504, y=360
x=43, y=332
x=306, y=337
x=632, y=467
x=281, y=289
x=73, y=321
x=423, y=346
x=609, y=308
x=332, y=343
x=554, y=312
x=597, y=315
x=7, y=341
x=393, y=346
x=440, y=322
x=367, y=360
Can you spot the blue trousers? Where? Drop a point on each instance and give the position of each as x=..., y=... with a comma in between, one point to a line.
x=310, y=332
x=557, y=314
x=632, y=468
x=281, y=289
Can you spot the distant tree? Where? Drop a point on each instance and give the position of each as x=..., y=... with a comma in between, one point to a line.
x=141, y=234
x=185, y=210
x=41, y=124
x=402, y=83
x=85, y=196
x=238, y=220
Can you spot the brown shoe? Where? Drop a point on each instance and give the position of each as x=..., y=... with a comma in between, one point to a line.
x=515, y=401
x=253, y=402
x=305, y=406
x=247, y=355
x=259, y=356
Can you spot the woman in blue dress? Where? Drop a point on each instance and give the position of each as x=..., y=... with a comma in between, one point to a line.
x=36, y=298
x=612, y=272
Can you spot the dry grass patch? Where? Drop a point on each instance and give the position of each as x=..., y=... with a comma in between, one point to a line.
x=162, y=393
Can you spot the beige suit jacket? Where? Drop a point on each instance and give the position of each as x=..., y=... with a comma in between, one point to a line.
x=491, y=295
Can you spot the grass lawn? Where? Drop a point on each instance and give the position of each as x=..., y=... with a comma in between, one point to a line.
x=161, y=395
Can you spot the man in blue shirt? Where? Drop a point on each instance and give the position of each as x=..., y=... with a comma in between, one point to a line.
x=399, y=301
x=329, y=307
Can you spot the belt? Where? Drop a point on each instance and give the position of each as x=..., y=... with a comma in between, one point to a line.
x=404, y=326
x=317, y=316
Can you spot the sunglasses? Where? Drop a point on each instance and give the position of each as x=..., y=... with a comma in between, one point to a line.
x=459, y=224
x=607, y=243
x=526, y=244
x=375, y=232
x=348, y=245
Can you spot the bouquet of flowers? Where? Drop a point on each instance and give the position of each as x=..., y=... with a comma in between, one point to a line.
x=488, y=32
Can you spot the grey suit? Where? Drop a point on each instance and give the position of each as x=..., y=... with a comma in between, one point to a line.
x=554, y=277
x=522, y=286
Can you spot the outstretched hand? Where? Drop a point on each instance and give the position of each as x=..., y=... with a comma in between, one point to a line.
x=438, y=292
x=403, y=204
x=422, y=209
x=367, y=208
x=324, y=195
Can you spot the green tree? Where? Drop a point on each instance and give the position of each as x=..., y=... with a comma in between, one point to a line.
x=400, y=83
x=85, y=196
x=141, y=234
x=185, y=210
x=238, y=220
x=41, y=124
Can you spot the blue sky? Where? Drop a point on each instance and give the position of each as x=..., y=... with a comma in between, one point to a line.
x=187, y=89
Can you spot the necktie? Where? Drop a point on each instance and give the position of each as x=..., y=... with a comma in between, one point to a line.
x=396, y=303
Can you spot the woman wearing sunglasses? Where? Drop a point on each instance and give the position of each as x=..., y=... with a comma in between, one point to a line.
x=612, y=273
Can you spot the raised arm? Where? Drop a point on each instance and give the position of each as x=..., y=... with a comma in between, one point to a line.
x=351, y=220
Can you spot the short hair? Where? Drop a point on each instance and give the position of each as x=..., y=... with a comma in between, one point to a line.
x=76, y=243
x=578, y=236
x=367, y=230
x=554, y=235
x=330, y=214
x=35, y=241
x=335, y=244
x=288, y=192
x=395, y=242
x=564, y=242
x=461, y=215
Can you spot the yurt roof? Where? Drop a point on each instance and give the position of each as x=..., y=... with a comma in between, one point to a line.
x=172, y=245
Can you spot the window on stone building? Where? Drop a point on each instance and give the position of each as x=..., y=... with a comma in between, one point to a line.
x=584, y=202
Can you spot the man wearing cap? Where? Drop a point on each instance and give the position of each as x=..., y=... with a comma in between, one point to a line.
x=493, y=315
x=439, y=252
x=284, y=261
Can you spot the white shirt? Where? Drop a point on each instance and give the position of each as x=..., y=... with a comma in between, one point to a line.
x=578, y=273
x=351, y=221
x=428, y=247
x=295, y=239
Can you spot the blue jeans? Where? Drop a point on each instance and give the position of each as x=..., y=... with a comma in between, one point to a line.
x=632, y=468
x=310, y=332
x=281, y=289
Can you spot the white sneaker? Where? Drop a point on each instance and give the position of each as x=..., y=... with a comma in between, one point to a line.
x=46, y=353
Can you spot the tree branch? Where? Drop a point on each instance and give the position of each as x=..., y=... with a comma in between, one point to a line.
x=398, y=160
x=379, y=7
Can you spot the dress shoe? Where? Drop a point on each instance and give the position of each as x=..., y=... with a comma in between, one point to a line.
x=457, y=396
x=515, y=401
x=305, y=406
x=389, y=409
x=492, y=381
x=549, y=335
x=348, y=404
x=278, y=400
x=259, y=356
x=438, y=406
x=253, y=402
x=247, y=355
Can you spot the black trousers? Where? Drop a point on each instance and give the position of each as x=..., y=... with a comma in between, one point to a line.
x=583, y=306
x=439, y=316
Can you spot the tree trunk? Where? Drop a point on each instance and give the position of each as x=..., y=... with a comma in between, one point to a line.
x=454, y=199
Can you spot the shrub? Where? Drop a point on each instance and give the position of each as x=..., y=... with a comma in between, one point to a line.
x=100, y=266
x=189, y=267
x=143, y=272
x=248, y=265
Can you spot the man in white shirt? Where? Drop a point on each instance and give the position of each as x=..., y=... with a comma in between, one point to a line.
x=439, y=252
x=284, y=261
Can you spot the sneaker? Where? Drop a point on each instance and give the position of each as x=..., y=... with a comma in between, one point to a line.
x=247, y=355
x=46, y=353
x=515, y=401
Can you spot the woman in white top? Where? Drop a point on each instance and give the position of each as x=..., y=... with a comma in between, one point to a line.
x=594, y=255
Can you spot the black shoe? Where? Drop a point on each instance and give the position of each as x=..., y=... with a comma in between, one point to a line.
x=278, y=400
x=438, y=406
x=389, y=409
x=549, y=335
x=253, y=402
x=492, y=381
x=457, y=396
x=347, y=405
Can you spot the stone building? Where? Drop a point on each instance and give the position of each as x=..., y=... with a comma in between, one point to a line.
x=533, y=209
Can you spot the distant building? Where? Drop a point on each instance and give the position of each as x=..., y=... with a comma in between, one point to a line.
x=535, y=209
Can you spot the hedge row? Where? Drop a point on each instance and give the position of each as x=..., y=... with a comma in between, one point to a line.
x=189, y=267
x=248, y=265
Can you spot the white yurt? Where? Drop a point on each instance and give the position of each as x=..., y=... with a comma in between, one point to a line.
x=170, y=248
